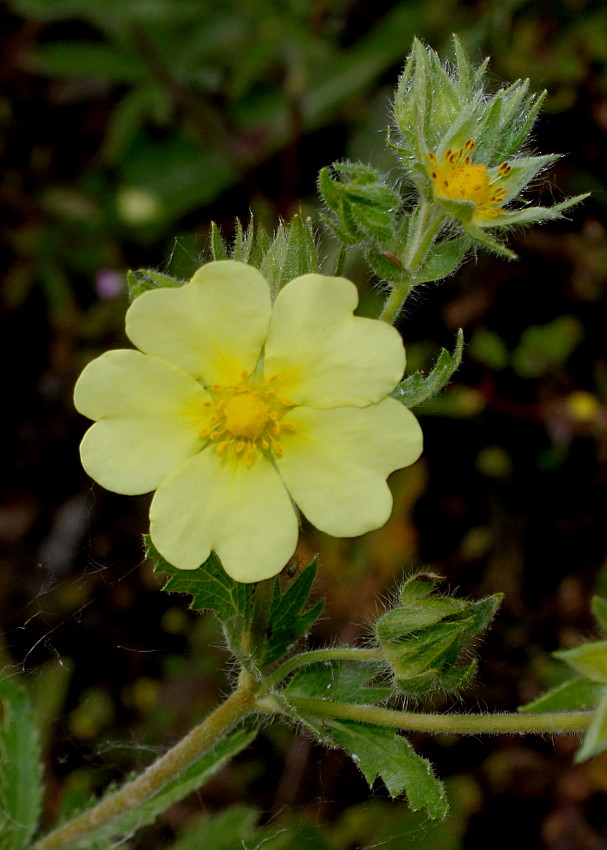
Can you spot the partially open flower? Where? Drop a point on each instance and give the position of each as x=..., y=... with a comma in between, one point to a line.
x=233, y=409
x=456, y=178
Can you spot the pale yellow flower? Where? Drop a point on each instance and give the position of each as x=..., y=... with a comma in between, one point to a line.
x=234, y=410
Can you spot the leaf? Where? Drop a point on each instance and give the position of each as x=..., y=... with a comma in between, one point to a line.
x=595, y=739
x=443, y=260
x=589, y=659
x=21, y=789
x=195, y=775
x=574, y=695
x=338, y=681
x=209, y=585
x=143, y=280
x=419, y=387
x=289, y=620
x=385, y=753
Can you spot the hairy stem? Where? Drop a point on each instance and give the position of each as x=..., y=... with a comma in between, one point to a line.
x=318, y=655
x=202, y=738
x=428, y=224
x=457, y=724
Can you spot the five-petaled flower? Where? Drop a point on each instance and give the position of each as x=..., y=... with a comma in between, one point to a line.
x=233, y=410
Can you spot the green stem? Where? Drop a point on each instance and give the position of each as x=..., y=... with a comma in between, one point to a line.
x=202, y=738
x=456, y=724
x=428, y=224
x=319, y=655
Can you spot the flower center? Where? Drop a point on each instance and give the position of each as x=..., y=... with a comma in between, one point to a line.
x=458, y=179
x=247, y=418
x=246, y=415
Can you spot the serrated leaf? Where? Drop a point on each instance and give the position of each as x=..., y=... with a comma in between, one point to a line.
x=595, y=739
x=289, y=620
x=574, y=695
x=419, y=387
x=443, y=260
x=385, y=753
x=143, y=280
x=21, y=789
x=338, y=681
x=195, y=775
x=210, y=586
x=589, y=659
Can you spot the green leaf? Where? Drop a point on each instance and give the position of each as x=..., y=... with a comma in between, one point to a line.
x=384, y=753
x=289, y=619
x=543, y=348
x=589, y=659
x=21, y=789
x=210, y=586
x=595, y=739
x=195, y=775
x=574, y=695
x=386, y=266
x=226, y=830
x=143, y=280
x=338, y=681
x=419, y=387
x=87, y=59
x=443, y=260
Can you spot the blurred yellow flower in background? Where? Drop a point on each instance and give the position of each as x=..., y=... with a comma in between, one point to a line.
x=234, y=409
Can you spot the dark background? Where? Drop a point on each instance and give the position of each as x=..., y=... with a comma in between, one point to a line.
x=126, y=128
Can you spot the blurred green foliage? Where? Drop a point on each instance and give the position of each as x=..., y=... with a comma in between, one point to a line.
x=127, y=126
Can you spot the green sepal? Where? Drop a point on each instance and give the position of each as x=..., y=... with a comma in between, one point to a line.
x=444, y=259
x=21, y=789
x=574, y=695
x=423, y=637
x=338, y=681
x=460, y=210
x=243, y=242
x=289, y=619
x=595, y=739
x=385, y=753
x=210, y=587
x=142, y=280
x=219, y=249
x=522, y=171
x=292, y=252
x=478, y=234
x=589, y=659
x=419, y=387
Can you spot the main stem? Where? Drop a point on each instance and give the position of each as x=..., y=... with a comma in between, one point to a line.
x=428, y=224
x=202, y=738
x=456, y=724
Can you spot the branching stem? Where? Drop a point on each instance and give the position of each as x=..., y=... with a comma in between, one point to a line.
x=457, y=724
x=428, y=224
x=202, y=738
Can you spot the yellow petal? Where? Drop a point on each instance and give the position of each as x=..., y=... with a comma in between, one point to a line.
x=213, y=327
x=336, y=462
x=322, y=354
x=242, y=513
x=150, y=416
